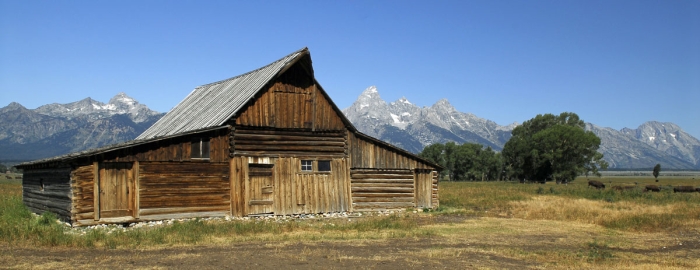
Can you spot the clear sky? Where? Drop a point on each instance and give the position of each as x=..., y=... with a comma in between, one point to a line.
x=614, y=63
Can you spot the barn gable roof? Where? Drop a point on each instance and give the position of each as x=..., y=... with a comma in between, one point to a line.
x=213, y=104
x=210, y=106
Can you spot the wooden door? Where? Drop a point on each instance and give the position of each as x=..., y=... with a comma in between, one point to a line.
x=424, y=188
x=116, y=184
x=261, y=191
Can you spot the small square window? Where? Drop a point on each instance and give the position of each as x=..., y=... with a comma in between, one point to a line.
x=200, y=148
x=307, y=165
x=324, y=165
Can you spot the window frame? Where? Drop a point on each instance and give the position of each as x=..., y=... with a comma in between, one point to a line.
x=203, y=147
x=318, y=163
x=311, y=165
x=307, y=168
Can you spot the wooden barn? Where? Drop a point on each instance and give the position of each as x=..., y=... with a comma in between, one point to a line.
x=269, y=141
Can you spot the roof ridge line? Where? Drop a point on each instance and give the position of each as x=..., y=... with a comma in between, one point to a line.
x=305, y=49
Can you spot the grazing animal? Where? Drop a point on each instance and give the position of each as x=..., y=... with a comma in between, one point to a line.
x=684, y=189
x=596, y=184
x=652, y=188
x=8, y=177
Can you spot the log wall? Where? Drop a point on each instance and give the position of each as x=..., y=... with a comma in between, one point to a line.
x=436, y=199
x=280, y=143
x=368, y=154
x=180, y=190
x=174, y=149
x=374, y=189
x=83, y=187
x=48, y=189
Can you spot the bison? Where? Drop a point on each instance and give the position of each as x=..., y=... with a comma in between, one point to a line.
x=684, y=189
x=652, y=188
x=596, y=184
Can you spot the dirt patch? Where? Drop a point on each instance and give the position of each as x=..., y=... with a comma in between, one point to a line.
x=378, y=254
x=454, y=242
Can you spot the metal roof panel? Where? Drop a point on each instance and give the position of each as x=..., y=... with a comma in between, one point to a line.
x=213, y=104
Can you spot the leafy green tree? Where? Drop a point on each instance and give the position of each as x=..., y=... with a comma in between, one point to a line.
x=436, y=153
x=656, y=171
x=552, y=147
x=468, y=161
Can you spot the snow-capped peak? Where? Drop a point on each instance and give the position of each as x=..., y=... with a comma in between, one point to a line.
x=119, y=104
x=123, y=99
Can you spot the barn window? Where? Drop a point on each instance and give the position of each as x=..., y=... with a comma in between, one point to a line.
x=324, y=165
x=307, y=165
x=200, y=148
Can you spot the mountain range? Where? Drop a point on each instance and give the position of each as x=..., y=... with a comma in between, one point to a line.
x=411, y=127
x=56, y=129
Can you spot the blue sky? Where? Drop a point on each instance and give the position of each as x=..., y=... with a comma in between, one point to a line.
x=614, y=63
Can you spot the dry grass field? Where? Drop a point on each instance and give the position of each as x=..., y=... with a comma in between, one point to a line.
x=479, y=225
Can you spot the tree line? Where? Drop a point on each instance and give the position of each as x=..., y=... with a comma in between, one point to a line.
x=545, y=148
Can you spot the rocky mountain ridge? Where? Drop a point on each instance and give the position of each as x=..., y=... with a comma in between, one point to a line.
x=411, y=127
x=57, y=129
x=406, y=125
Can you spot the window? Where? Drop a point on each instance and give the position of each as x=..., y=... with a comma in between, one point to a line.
x=324, y=165
x=307, y=165
x=200, y=148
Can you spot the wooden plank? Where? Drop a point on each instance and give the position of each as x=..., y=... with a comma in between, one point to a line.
x=374, y=194
x=382, y=205
x=260, y=202
x=137, y=204
x=382, y=189
x=96, y=189
x=379, y=176
x=171, y=210
x=382, y=199
x=184, y=215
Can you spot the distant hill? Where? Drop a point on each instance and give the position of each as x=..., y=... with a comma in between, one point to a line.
x=57, y=129
x=411, y=127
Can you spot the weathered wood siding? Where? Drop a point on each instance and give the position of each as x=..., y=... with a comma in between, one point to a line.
x=293, y=191
x=116, y=190
x=424, y=188
x=292, y=101
x=436, y=199
x=174, y=149
x=375, y=189
x=83, y=186
x=367, y=154
x=179, y=190
x=48, y=189
x=279, y=143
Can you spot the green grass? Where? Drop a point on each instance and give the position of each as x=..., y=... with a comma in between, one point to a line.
x=627, y=211
x=18, y=226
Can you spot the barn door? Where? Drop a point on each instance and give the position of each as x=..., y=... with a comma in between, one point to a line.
x=116, y=181
x=424, y=188
x=261, y=189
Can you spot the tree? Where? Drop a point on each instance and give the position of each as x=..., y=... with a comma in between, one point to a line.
x=436, y=153
x=657, y=169
x=468, y=161
x=550, y=147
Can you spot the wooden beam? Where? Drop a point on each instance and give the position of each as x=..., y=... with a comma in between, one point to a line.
x=96, y=180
